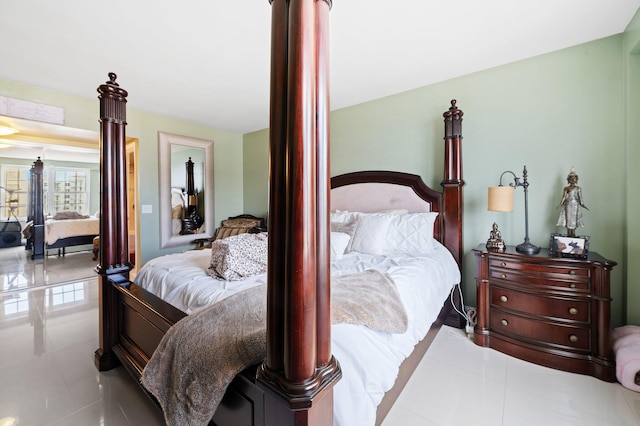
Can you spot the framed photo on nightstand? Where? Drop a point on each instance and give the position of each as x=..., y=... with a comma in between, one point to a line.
x=565, y=246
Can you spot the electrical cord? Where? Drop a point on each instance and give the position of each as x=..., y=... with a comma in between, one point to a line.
x=471, y=316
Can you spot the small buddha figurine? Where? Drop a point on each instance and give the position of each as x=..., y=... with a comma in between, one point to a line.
x=495, y=243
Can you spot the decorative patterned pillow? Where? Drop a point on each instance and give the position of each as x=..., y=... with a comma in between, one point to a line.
x=236, y=226
x=65, y=215
x=370, y=235
x=238, y=257
x=411, y=233
x=241, y=223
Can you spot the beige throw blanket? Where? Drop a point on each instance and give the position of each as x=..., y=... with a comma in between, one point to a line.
x=201, y=354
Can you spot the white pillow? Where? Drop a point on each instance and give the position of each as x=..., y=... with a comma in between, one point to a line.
x=411, y=233
x=339, y=242
x=340, y=216
x=346, y=216
x=370, y=235
x=394, y=211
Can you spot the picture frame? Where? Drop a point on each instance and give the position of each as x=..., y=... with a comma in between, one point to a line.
x=567, y=246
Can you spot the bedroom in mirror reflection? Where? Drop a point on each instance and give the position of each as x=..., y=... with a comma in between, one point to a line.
x=186, y=189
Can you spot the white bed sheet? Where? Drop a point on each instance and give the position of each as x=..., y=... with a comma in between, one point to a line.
x=58, y=229
x=369, y=359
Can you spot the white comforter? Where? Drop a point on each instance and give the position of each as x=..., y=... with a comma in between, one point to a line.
x=369, y=359
x=58, y=229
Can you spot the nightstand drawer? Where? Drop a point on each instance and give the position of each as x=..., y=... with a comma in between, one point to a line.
x=571, y=309
x=540, y=333
x=540, y=269
x=577, y=282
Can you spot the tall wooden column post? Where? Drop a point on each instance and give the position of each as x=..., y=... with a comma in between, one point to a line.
x=37, y=215
x=452, y=190
x=453, y=182
x=114, y=266
x=299, y=371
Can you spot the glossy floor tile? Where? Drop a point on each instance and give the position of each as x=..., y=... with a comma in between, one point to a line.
x=19, y=271
x=48, y=336
x=47, y=341
x=459, y=383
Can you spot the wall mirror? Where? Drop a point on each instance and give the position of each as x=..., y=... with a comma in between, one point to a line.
x=186, y=189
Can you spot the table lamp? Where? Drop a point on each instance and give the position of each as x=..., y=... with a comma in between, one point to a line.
x=500, y=199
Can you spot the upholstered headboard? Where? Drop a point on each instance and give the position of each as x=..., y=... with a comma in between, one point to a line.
x=376, y=197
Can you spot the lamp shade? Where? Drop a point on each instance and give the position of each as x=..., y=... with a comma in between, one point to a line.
x=500, y=198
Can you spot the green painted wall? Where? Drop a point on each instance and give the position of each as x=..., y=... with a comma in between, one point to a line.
x=631, y=52
x=549, y=113
x=256, y=172
x=83, y=113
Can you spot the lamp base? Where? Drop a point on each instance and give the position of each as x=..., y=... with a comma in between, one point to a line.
x=527, y=248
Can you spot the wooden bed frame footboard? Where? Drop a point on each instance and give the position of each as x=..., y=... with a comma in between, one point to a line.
x=143, y=319
x=294, y=385
x=79, y=240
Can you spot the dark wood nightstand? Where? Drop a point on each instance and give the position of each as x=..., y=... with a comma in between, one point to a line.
x=547, y=310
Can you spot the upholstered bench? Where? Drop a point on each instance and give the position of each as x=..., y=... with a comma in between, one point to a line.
x=234, y=225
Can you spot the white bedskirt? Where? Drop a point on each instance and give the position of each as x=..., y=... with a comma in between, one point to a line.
x=58, y=229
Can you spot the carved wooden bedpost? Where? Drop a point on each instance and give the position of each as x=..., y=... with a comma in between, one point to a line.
x=452, y=194
x=453, y=182
x=299, y=372
x=37, y=215
x=114, y=264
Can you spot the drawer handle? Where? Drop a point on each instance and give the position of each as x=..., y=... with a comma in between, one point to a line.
x=503, y=276
x=504, y=322
x=573, y=311
x=503, y=264
x=573, y=338
x=572, y=285
x=504, y=298
x=572, y=272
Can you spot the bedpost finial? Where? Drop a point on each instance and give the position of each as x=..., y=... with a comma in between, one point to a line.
x=453, y=113
x=112, y=99
x=112, y=79
x=453, y=120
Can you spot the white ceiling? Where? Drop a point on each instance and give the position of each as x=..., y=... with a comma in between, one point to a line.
x=207, y=61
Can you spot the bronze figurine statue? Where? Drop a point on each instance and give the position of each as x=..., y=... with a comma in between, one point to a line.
x=495, y=243
x=572, y=204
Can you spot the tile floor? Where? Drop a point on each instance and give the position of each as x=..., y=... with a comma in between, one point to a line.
x=47, y=339
x=48, y=335
x=459, y=383
x=19, y=271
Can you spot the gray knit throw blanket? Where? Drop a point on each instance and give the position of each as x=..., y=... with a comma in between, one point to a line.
x=202, y=353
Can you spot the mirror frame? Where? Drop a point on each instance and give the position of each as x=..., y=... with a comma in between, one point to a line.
x=165, y=140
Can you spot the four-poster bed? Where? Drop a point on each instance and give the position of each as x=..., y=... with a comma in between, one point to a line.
x=65, y=229
x=295, y=382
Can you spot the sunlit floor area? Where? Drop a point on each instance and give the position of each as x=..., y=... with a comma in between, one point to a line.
x=48, y=336
x=459, y=383
x=18, y=271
